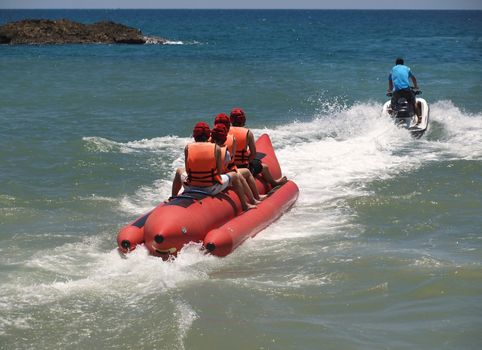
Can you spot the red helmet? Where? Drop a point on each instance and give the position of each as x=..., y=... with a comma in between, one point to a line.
x=219, y=134
x=201, y=129
x=237, y=116
x=222, y=118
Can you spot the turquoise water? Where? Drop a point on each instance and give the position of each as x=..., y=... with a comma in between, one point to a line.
x=382, y=250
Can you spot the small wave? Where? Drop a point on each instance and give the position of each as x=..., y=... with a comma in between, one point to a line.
x=330, y=154
x=4, y=198
x=157, y=145
x=96, y=198
x=81, y=268
x=68, y=275
x=462, y=132
x=173, y=43
x=185, y=320
x=146, y=197
x=100, y=144
x=427, y=262
x=155, y=40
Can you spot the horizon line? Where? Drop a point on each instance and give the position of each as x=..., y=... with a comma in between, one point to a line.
x=241, y=9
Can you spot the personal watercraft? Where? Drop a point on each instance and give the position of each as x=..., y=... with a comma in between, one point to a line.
x=405, y=117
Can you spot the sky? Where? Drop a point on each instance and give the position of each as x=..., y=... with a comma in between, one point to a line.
x=244, y=4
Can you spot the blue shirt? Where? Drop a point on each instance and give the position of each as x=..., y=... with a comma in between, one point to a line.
x=399, y=76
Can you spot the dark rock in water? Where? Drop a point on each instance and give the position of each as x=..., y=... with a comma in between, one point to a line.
x=63, y=31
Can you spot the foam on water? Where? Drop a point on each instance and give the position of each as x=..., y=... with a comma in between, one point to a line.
x=146, y=197
x=70, y=272
x=157, y=145
x=173, y=43
x=463, y=137
x=153, y=40
x=185, y=317
x=334, y=156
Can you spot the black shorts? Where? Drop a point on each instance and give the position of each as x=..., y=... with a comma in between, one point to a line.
x=406, y=93
x=255, y=166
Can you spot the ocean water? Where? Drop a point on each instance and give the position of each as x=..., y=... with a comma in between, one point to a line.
x=382, y=250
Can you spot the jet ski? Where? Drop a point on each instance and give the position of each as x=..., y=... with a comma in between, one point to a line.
x=405, y=117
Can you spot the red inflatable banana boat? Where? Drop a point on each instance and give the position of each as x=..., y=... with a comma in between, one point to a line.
x=217, y=221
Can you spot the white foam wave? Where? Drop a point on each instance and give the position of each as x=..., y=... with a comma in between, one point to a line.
x=155, y=145
x=146, y=197
x=65, y=275
x=99, y=144
x=149, y=195
x=170, y=42
x=357, y=145
x=185, y=316
x=76, y=269
x=6, y=198
x=463, y=136
x=95, y=198
x=155, y=40
x=334, y=156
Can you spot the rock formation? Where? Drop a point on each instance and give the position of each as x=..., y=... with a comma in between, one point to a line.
x=63, y=31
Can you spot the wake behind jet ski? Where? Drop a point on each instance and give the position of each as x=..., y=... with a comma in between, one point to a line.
x=404, y=115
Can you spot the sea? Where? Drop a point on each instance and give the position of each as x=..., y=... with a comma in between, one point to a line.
x=382, y=250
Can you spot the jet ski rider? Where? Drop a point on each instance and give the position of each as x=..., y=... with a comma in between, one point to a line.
x=399, y=85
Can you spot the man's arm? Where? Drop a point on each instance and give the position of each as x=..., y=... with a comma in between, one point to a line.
x=415, y=85
x=185, y=157
x=251, y=146
x=390, y=83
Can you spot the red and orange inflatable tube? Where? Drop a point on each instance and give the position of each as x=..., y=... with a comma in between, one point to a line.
x=223, y=240
x=217, y=221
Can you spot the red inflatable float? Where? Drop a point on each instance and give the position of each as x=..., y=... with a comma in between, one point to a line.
x=217, y=221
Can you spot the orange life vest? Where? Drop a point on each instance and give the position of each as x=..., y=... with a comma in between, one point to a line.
x=201, y=165
x=230, y=144
x=242, y=153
